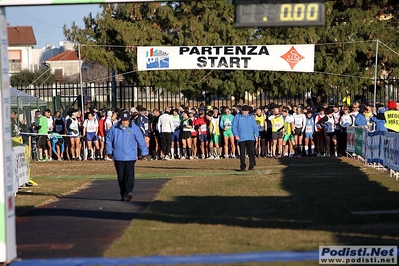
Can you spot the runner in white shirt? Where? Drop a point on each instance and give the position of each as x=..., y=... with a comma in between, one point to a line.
x=354, y=110
x=299, y=123
x=90, y=132
x=319, y=133
x=72, y=127
x=329, y=128
x=345, y=121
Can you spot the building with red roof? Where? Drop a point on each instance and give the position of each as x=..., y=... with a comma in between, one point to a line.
x=21, y=41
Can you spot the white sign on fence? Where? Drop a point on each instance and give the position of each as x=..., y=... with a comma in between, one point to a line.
x=391, y=151
x=350, y=144
x=373, y=148
x=20, y=166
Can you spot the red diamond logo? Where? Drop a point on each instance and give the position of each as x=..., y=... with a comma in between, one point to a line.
x=292, y=57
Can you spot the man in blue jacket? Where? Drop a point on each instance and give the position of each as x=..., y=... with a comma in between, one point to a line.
x=245, y=132
x=379, y=118
x=122, y=141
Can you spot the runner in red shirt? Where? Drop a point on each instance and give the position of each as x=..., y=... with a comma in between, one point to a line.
x=201, y=125
x=101, y=133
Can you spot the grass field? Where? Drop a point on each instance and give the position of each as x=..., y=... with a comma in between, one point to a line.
x=208, y=207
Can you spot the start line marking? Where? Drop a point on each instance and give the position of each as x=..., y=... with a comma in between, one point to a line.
x=375, y=212
x=269, y=256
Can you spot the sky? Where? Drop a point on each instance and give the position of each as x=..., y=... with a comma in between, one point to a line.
x=47, y=21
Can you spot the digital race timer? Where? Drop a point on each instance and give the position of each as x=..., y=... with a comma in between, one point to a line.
x=279, y=13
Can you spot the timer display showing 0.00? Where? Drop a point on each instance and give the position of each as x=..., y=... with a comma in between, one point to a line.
x=299, y=12
x=310, y=13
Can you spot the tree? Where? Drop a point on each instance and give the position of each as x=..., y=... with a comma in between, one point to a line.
x=345, y=46
x=27, y=77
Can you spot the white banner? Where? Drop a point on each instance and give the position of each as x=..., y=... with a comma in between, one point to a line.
x=294, y=58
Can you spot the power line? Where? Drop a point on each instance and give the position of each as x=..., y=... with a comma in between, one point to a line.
x=342, y=75
x=45, y=23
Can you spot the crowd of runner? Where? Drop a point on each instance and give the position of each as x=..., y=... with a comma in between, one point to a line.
x=205, y=132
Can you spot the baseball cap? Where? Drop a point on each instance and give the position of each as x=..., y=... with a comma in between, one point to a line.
x=379, y=105
x=125, y=116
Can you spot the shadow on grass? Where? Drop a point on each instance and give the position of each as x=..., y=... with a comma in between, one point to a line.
x=32, y=193
x=100, y=214
x=322, y=197
x=168, y=167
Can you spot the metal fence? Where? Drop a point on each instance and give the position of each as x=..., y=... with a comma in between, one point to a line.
x=61, y=96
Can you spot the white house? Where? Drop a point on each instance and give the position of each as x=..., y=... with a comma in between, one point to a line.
x=21, y=41
x=64, y=64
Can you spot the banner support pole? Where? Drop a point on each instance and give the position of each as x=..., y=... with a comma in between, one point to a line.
x=8, y=245
x=375, y=76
